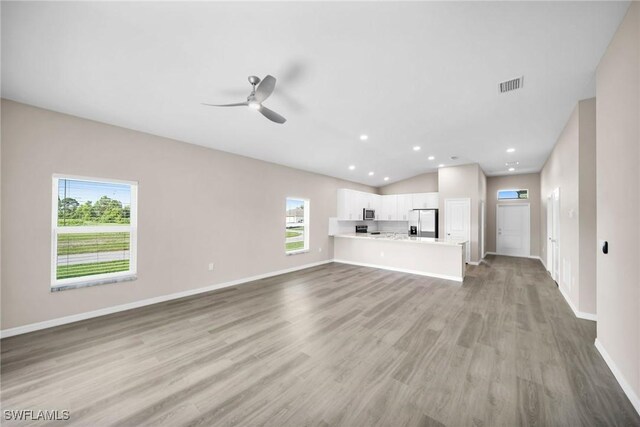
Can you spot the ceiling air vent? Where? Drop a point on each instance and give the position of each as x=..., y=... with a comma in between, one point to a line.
x=512, y=84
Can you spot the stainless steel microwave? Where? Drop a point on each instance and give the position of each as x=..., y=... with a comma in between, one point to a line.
x=368, y=214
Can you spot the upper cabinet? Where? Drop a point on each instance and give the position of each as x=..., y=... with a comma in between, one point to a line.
x=351, y=204
x=424, y=201
x=347, y=205
x=390, y=207
x=404, y=203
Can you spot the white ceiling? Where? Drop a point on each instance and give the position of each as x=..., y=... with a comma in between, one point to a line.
x=403, y=73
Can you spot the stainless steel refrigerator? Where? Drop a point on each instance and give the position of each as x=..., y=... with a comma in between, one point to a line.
x=423, y=223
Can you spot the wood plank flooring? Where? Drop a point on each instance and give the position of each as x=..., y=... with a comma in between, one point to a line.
x=334, y=345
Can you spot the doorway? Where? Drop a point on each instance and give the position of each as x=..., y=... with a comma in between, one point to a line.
x=483, y=212
x=457, y=222
x=513, y=230
x=553, y=234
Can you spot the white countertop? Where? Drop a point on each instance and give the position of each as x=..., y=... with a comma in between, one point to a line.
x=403, y=238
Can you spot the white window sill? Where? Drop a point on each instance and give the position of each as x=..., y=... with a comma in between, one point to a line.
x=301, y=251
x=89, y=283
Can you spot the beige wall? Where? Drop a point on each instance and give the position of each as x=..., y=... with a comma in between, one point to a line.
x=425, y=183
x=618, y=200
x=467, y=181
x=565, y=171
x=196, y=206
x=587, y=206
x=530, y=181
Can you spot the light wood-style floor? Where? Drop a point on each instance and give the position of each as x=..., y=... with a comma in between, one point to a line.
x=331, y=345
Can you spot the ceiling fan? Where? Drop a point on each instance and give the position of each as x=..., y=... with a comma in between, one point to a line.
x=259, y=93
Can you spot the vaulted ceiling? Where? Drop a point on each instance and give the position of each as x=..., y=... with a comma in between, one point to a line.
x=405, y=74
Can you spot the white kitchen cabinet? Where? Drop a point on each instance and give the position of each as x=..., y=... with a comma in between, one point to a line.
x=368, y=200
x=388, y=208
x=403, y=206
x=424, y=201
x=419, y=201
x=432, y=200
x=347, y=202
x=351, y=204
x=376, y=203
x=362, y=201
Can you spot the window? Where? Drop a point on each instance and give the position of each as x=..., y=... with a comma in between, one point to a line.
x=513, y=194
x=94, y=231
x=296, y=226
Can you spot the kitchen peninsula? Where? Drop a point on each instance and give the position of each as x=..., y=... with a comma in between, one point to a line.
x=400, y=252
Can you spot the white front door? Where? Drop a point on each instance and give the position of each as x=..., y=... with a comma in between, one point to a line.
x=457, y=221
x=513, y=230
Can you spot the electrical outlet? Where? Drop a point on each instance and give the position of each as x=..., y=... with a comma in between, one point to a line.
x=319, y=249
x=381, y=254
x=210, y=266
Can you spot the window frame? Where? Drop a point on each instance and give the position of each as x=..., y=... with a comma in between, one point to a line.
x=307, y=204
x=511, y=189
x=132, y=228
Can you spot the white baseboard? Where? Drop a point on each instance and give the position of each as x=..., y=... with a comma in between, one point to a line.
x=544, y=264
x=579, y=314
x=401, y=270
x=136, y=304
x=515, y=256
x=474, y=262
x=635, y=400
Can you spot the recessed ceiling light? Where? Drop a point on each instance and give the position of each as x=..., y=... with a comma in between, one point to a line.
x=510, y=150
x=512, y=169
x=441, y=165
x=370, y=173
x=431, y=157
x=386, y=178
x=416, y=148
x=512, y=163
x=352, y=167
x=364, y=137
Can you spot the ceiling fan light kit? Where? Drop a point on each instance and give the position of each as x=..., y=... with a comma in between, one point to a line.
x=260, y=91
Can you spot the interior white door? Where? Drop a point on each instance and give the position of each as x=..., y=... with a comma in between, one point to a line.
x=550, y=234
x=513, y=230
x=457, y=221
x=482, y=227
x=555, y=234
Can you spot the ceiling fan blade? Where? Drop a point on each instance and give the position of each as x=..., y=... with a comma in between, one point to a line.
x=272, y=115
x=265, y=88
x=239, y=104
